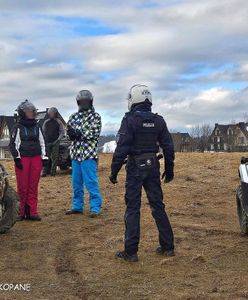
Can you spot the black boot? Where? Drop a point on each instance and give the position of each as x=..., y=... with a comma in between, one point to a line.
x=27, y=211
x=127, y=257
x=73, y=212
x=161, y=251
x=94, y=215
x=35, y=218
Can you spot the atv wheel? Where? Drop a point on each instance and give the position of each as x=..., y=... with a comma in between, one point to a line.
x=9, y=208
x=243, y=218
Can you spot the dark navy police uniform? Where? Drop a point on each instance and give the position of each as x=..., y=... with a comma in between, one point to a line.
x=141, y=135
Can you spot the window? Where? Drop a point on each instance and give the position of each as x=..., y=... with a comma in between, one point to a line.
x=6, y=154
x=230, y=132
x=241, y=140
x=6, y=132
x=217, y=132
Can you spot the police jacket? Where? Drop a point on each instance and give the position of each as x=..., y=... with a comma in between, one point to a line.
x=27, y=139
x=141, y=132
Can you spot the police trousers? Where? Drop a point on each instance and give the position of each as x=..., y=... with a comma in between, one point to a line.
x=150, y=180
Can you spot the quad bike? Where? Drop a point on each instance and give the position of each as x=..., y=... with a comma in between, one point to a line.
x=64, y=161
x=242, y=196
x=9, y=202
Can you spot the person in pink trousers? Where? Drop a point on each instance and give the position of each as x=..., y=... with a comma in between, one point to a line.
x=27, y=146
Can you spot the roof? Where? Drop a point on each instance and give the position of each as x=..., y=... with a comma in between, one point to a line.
x=224, y=128
x=8, y=120
x=183, y=136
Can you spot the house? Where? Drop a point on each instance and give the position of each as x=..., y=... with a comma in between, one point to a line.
x=182, y=142
x=230, y=137
x=6, y=125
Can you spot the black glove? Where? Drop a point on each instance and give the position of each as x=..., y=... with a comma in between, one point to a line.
x=113, y=179
x=45, y=163
x=18, y=163
x=74, y=134
x=168, y=175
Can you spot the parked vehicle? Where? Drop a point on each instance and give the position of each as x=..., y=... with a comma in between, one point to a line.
x=242, y=196
x=64, y=154
x=9, y=202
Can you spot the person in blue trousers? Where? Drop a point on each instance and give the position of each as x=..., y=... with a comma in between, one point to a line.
x=84, y=129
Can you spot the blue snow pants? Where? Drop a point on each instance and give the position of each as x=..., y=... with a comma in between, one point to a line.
x=84, y=173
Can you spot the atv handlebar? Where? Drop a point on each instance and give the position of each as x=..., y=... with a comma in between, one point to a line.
x=244, y=160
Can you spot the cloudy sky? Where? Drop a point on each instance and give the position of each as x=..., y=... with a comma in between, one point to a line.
x=192, y=54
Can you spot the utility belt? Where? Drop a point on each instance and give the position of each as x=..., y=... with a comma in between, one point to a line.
x=145, y=161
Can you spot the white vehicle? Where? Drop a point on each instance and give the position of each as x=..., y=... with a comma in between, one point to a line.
x=109, y=147
x=242, y=196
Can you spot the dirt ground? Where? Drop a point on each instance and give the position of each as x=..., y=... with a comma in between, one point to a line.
x=72, y=257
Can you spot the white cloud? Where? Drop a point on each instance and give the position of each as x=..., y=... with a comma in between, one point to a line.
x=44, y=58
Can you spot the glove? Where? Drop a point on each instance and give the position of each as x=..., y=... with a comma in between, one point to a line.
x=168, y=175
x=18, y=163
x=45, y=162
x=74, y=134
x=113, y=179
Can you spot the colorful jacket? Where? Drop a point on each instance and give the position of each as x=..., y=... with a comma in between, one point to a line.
x=89, y=124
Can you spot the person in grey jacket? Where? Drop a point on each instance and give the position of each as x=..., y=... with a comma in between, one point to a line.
x=54, y=131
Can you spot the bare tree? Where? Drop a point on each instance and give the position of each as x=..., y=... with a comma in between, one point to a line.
x=245, y=117
x=201, y=136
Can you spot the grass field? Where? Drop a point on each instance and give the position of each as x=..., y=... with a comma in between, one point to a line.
x=72, y=257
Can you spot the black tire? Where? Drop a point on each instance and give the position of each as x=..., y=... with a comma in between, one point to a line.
x=243, y=218
x=10, y=210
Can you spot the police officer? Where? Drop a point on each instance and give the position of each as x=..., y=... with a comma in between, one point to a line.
x=140, y=136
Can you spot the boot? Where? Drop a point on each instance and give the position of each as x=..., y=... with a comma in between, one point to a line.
x=163, y=252
x=127, y=257
x=27, y=211
x=73, y=212
x=20, y=218
x=94, y=214
x=34, y=218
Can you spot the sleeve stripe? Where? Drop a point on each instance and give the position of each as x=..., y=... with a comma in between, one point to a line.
x=18, y=142
x=42, y=144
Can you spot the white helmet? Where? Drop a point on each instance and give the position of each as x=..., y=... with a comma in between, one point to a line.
x=138, y=93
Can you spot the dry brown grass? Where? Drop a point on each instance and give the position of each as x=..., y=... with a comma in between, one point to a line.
x=72, y=257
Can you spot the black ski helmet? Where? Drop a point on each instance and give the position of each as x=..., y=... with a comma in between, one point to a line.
x=26, y=106
x=84, y=100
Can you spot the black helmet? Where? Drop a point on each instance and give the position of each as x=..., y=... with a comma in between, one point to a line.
x=26, y=106
x=84, y=100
